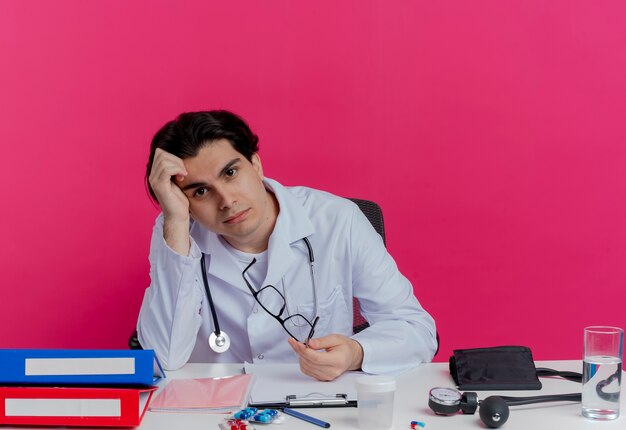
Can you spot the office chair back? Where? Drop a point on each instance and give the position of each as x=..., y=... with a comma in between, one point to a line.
x=374, y=214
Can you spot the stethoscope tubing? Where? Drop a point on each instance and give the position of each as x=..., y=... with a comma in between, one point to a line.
x=518, y=401
x=205, y=280
x=217, y=332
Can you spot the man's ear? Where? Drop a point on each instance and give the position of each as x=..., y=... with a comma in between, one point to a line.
x=256, y=164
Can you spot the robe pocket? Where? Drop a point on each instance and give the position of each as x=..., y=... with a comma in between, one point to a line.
x=334, y=315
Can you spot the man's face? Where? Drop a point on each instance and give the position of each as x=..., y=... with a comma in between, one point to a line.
x=227, y=196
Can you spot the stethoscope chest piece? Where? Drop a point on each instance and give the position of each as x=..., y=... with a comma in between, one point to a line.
x=219, y=343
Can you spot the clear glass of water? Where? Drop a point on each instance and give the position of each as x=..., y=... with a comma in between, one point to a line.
x=602, y=372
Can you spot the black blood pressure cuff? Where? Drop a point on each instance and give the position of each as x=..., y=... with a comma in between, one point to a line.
x=495, y=368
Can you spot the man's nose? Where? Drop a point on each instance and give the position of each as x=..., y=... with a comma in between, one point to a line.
x=226, y=198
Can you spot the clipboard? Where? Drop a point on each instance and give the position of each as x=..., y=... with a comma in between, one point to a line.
x=293, y=401
x=278, y=386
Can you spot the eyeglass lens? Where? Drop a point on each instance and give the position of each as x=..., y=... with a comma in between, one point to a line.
x=274, y=303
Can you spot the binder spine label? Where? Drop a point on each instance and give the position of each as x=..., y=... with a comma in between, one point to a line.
x=62, y=407
x=79, y=366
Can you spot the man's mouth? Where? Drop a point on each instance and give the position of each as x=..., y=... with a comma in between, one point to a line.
x=238, y=217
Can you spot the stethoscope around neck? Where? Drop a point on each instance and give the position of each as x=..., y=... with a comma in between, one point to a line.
x=219, y=341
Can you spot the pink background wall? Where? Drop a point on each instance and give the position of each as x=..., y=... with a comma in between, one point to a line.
x=492, y=133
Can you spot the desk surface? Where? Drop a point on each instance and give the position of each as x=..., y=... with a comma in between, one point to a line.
x=411, y=403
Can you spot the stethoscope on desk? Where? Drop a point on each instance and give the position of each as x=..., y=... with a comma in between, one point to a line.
x=219, y=341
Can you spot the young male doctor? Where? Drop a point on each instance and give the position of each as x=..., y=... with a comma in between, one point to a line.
x=246, y=269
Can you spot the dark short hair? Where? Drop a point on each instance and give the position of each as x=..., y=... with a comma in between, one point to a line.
x=187, y=134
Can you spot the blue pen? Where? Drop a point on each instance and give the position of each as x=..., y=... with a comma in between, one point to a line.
x=306, y=418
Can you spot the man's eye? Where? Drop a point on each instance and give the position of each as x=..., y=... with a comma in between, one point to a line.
x=231, y=172
x=200, y=192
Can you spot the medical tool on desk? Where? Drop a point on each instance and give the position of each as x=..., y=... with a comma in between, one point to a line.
x=508, y=368
x=219, y=341
x=494, y=410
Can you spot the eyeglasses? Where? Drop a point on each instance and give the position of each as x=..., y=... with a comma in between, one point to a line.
x=274, y=303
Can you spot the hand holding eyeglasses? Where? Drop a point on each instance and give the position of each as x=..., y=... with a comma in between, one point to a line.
x=325, y=358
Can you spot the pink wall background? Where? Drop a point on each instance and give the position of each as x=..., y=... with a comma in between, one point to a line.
x=492, y=133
